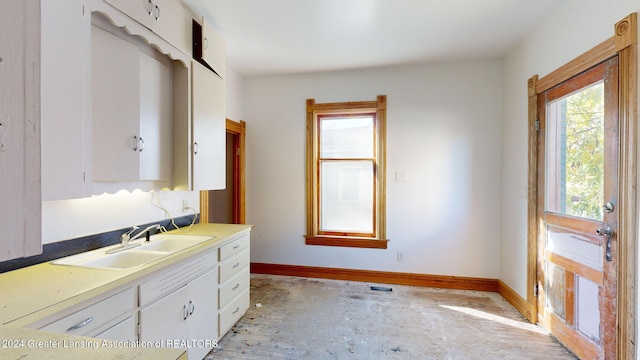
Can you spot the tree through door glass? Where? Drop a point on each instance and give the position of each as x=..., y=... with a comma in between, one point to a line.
x=575, y=153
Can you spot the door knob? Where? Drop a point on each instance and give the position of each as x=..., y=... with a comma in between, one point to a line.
x=605, y=231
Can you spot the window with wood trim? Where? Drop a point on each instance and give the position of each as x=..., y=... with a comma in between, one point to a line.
x=346, y=173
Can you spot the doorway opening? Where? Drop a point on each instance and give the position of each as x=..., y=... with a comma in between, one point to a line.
x=228, y=206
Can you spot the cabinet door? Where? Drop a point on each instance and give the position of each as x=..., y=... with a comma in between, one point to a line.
x=155, y=119
x=174, y=24
x=20, y=204
x=65, y=99
x=115, y=106
x=189, y=313
x=139, y=10
x=165, y=319
x=209, y=129
x=213, y=49
x=203, y=322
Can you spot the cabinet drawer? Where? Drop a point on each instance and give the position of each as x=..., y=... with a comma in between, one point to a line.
x=234, y=311
x=164, y=284
x=234, y=286
x=233, y=265
x=233, y=247
x=122, y=331
x=86, y=320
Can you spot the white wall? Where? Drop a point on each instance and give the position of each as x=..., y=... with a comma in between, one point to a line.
x=573, y=28
x=234, y=95
x=68, y=219
x=443, y=131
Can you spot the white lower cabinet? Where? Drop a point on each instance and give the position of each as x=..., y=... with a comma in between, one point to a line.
x=188, y=305
x=122, y=331
x=231, y=313
x=233, y=290
x=186, y=318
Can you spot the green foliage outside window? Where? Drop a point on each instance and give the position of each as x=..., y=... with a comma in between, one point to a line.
x=585, y=152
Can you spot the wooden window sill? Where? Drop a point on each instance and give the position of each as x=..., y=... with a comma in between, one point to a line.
x=367, y=243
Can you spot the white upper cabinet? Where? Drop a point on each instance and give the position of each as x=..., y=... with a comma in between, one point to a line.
x=167, y=18
x=174, y=24
x=199, y=130
x=131, y=112
x=20, y=192
x=209, y=129
x=142, y=11
x=155, y=119
x=66, y=100
x=115, y=107
x=213, y=49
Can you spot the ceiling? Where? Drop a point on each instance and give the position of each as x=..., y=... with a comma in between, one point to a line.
x=273, y=37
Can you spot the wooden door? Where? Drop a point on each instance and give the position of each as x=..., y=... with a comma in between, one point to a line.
x=578, y=142
x=222, y=203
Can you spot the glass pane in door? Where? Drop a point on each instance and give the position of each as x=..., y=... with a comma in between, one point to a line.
x=575, y=153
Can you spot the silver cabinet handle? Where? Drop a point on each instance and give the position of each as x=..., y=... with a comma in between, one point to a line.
x=236, y=265
x=235, y=287
x=206, y=43
x=138, y=143
x=192, y=307
x=81, y=324
x=185, y=312
x=156, y=12
x=195, y=148
x=236, y=310
x=236, y=247
x=149, y=6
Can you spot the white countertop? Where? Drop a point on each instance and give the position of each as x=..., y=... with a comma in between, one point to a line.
x=36, y=292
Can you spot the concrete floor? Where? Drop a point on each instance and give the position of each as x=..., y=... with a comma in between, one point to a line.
x=299, y=318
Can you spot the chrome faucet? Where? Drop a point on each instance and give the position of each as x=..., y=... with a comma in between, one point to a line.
x=124, y=238
x=124, y=242
x=146, y=232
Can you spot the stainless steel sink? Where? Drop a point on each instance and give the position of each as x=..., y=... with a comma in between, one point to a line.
x=161, y=245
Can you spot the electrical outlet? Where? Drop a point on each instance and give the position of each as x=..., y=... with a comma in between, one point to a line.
x=400, y=257
x=185, y=205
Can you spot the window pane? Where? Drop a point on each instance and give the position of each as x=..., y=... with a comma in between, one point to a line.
x=575, y=153
x=346, y=137
x=346, y=196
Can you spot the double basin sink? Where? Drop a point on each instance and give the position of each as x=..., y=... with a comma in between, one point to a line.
x=159, y=246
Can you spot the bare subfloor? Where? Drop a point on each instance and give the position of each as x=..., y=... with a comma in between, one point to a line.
x=299, y=318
